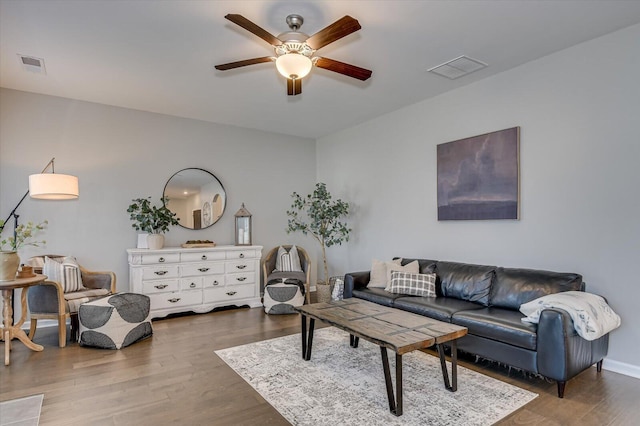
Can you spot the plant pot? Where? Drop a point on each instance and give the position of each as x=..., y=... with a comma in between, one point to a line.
x=9, y=263
x=323, y=292
x=155, y=241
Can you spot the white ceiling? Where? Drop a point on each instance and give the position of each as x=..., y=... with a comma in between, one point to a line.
x=158, y=56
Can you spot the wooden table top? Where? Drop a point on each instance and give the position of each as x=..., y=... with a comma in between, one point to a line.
x=22, y=282
x=392, y=328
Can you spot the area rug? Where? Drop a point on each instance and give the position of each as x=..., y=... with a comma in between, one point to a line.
x=21, y=411
x=343, y=385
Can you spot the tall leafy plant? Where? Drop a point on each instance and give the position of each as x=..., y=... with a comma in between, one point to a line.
x=319, y=215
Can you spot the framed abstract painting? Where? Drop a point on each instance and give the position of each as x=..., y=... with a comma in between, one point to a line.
x=478, y=177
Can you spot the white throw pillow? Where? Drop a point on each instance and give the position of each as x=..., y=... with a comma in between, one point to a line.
x=288, y=261
x=64, y=270
x=412, y=268
x=592, y=317
x=378, y=277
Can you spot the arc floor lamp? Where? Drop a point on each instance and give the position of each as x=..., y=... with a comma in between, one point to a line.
x=46, y=186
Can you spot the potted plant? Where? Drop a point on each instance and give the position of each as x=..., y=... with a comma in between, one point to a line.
x=152, y=219
x=317, y=214
x=9, y=259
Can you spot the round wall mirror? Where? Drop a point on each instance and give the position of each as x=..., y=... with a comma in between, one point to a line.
x=196, y=196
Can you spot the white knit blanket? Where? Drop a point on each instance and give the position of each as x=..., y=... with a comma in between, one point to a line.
x=592, y=316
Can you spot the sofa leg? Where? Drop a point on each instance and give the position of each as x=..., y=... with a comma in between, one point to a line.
x=561, y=386
x=599, y=366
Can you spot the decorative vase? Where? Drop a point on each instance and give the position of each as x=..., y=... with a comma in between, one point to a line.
x=155, y=241
x=323, y=292
x=9, y=263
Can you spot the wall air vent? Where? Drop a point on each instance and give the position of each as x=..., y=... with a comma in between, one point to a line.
x=458, y=67
x=32, y=64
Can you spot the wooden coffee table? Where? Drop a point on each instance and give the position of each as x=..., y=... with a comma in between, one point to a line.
x=400, y=331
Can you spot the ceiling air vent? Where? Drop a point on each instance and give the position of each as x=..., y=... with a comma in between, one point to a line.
x=458, y=67
x=32, y=64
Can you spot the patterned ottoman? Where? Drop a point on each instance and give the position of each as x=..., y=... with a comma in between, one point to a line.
x=281, y=295
x=115, y=322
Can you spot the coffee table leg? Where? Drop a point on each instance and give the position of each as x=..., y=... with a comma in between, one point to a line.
x=307, y=339
x=353, y=341
x=453, y=385
x=395, y=402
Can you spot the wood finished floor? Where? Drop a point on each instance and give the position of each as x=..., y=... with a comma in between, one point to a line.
x=174, y=378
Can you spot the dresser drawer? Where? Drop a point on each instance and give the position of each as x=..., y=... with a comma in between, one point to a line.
x=157, y=272
x=203, y=256
x=159, y=286
x=240, y=266
x=190, y=283
x=228, y=293
x=148, y=259
x=213, y=281
x=243, y=278
x=243, y=254
x=198, y=269
x=172, y=300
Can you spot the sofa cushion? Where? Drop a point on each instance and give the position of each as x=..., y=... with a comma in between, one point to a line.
x=503, y=325
x=376, y=295
x=465, y=281
x=288, y=261
x=439, y=308
x=513, y=287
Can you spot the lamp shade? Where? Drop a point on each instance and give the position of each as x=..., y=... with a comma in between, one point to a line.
x=53, y=186
x=293, y=65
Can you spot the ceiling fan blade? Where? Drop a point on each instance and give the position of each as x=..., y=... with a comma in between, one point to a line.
x=294, y=86
x=253, y=28
x=238, y=64
x=342, y=68
x=341, y=28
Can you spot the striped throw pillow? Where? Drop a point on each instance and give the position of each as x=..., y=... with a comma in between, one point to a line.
x=64, y=270
x=413, y=284
x=287, y=261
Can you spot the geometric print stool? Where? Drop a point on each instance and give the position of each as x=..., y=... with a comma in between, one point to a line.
x=116, y=321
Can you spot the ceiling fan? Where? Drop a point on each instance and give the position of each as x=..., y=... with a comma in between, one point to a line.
x=295, y=50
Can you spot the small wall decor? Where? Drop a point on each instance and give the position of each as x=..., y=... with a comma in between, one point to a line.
x=243, y=227
x=478, y=177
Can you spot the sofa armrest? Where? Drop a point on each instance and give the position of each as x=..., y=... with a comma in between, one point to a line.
x=355, y=281
x=562, y=353
x=46, y=298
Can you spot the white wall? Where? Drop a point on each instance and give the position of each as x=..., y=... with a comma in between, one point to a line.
x=120, y=154
x=580, y=211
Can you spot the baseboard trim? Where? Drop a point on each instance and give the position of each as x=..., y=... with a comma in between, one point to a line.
x=622, y=368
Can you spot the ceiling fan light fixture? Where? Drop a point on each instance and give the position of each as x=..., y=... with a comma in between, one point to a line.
x=293, y=65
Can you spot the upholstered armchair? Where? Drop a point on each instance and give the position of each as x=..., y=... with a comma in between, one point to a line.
x=269, y=265
x=50, y=301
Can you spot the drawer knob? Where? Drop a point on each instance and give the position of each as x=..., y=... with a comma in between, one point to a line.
x=203, y=269
x=204, y=257
x=241, y=255
x=231, y=293
x=241, y=278
x=161, y=260
x=161, y=286
x=174, y=300
x=192, y=285
x=241, y=266
x=160, y=272
x=216, y=282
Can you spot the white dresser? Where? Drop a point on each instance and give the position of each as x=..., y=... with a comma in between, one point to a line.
x=196, y=279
